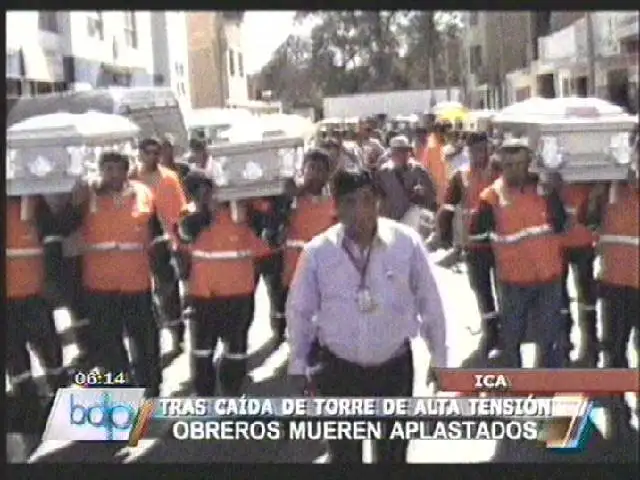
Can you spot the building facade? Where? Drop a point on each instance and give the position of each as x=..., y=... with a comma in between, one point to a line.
x=500, y=42
x=216, y=59
x=237, y=76
x=170, y=43
x=50, y=51
x=564, y=60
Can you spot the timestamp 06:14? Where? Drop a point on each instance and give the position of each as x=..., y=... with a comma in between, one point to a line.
x=99, y=379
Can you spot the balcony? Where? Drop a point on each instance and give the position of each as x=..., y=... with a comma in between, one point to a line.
x=627, y=24
x=558, y=46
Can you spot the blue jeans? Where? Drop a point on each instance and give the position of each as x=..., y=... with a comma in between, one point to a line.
x=541, y=305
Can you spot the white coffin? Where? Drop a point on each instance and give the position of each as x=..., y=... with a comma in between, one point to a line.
x=255, y=169
x=47, y=154
x=584, y=136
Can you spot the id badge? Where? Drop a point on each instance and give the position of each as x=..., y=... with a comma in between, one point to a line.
x=365, y=301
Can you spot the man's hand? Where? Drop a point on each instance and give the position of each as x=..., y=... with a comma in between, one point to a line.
x=299, y=384
x=432, y=379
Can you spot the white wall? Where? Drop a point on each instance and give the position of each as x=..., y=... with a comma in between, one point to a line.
x=73, y=38
x=42, y=50
x=178, y=54
x=171, y=53
x=84, y=46
x=238, y=87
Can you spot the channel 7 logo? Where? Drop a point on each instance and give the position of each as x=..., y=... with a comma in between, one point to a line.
x=95, y=414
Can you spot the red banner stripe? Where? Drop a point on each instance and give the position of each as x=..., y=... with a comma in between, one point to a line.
x=540, y=381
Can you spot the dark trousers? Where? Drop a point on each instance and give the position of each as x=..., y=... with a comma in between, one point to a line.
x=581, y=262
x=621, y=313
x=270, y=268
x=480, y=267
x=29, y=323
x=168, y=309
x=73, y=301
x=541, y=305
x=169, y=305
x=227, y=320
x=113, y=314
x=340, y=378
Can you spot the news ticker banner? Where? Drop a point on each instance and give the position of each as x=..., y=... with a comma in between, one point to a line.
x=123, y=415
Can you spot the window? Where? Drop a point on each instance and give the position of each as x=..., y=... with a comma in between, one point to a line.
x=473, y=18
x=232, y=65
x=182, y=89
x=95, y=25
x=14, y=88
x=130, y=30
x=48, y=21
x=179, y=67
x=475, y=58
x=240, y=65
x=14, y=64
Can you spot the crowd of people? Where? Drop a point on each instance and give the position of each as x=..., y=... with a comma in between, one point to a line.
x=343, y=255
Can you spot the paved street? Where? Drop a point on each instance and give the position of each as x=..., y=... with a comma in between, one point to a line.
x=267, y=379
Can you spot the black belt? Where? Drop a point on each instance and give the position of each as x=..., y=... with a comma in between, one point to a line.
x=322, y=353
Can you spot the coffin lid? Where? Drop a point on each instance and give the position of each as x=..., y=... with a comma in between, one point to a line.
x=65, y=125
x=563, y=110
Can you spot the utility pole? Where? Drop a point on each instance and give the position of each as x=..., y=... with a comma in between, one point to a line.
x=501, y=72
x=591, y=55
x=447, y=67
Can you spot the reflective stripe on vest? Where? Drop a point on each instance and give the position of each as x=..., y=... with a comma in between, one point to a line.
x=23, y=252
x=160, y=239
x=449, y=207
x=479, y=237
x=298, y=244
x=114, y=246
x=620, y=240
x=523, y=234
x=221, y=255
x=52, y=239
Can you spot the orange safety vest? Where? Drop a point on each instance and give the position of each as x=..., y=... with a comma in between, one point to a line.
x=474, y=181
x=619, y=240
x=222, y=259
x=311, y=216
x=434, y=161
x=575, y=198
x=116, y=235
x=526, y=249
x=25, y=266
x=169, y=197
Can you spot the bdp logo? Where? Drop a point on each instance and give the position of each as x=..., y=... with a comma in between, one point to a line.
x=112, y=417
x=92, y=414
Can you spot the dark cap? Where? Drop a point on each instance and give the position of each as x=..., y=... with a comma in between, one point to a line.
x=148, y=142
x=195, y=178
x=318, y=155
x=197, y=145
x=113, y=157
x=476, y=137
x=345, y=181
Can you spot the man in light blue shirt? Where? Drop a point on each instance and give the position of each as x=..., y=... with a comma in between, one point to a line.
x=362, y=290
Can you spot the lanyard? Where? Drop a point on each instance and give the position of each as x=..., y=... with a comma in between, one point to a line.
x=362, y=269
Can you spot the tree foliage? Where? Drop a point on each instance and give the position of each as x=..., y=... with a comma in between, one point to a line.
x=362, y=51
